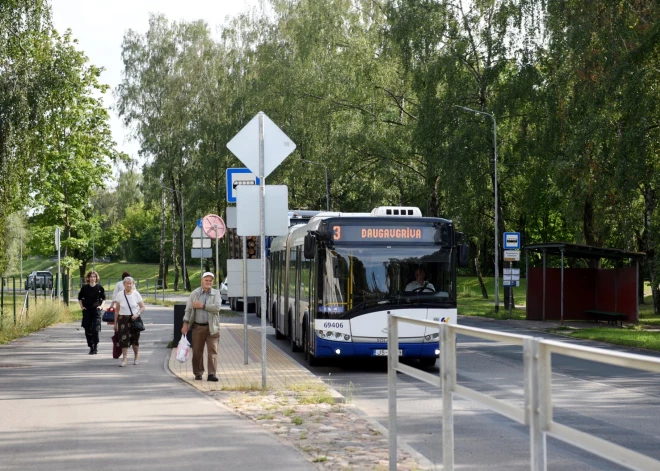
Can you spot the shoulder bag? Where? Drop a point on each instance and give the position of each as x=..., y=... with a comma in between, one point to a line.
x=137, y=323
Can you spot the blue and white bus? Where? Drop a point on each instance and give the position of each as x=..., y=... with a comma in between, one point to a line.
x=334, y=280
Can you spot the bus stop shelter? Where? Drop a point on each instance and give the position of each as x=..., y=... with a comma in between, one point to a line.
x=567, y=293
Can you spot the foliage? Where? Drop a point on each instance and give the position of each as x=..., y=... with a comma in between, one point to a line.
x=55, y=143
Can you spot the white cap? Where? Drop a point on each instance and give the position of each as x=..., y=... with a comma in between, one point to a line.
x=208, y=273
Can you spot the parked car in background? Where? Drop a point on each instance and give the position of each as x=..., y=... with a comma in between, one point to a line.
x=39, y=280
x=223, y=292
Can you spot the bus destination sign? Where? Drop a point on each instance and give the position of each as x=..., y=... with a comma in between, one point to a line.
x=369, y=233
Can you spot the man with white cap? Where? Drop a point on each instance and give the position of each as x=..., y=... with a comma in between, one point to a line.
x=203, y=316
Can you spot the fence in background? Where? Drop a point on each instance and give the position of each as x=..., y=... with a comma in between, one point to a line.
x=537, y=410
x=15, y=299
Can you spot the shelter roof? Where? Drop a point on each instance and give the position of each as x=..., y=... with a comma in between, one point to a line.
x=583, y=251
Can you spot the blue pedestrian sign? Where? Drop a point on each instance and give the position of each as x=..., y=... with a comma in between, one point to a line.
x=199, y=223
x=511, y=240
x=239, y=176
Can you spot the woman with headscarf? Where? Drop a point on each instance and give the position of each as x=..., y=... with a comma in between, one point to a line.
x=91, y=298
x=129, y=307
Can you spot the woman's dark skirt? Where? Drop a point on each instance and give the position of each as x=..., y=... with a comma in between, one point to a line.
x=127, y=334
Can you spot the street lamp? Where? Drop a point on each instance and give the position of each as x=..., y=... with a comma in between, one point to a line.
x=183, y=232
x=497, y=284
x=327, y=187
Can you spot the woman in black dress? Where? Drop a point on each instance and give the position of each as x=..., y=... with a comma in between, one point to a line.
x=91, y=298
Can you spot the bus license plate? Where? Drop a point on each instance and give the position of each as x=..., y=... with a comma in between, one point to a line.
x=383, y=352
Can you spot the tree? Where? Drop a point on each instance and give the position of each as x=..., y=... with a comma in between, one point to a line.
x=25, y=32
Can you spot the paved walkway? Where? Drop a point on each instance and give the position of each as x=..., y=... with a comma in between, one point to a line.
x=62, y=409
x=234, y=375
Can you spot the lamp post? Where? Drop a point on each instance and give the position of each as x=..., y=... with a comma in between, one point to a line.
x=497, y=281
x=327, y=187
x=183, y=234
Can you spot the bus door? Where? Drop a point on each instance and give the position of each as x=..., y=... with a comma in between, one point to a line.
x=297, y=314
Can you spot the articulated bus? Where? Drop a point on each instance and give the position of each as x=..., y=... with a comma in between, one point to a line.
x=334, y=280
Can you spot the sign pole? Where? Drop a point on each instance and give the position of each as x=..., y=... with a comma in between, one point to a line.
x=201, y=258
x=262, y=248
x=245, y=288
x=59, y=274
x=217, y=261
x=511, y=287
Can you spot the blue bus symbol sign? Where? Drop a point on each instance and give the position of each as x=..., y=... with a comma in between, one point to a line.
x=511, y=240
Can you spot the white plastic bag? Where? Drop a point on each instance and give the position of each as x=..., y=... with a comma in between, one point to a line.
x=183, y=350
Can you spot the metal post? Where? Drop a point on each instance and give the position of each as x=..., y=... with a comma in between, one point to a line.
x=245, y=288
x=21, y=250
x=447, y=380
x=183, y=242
x=543, y=307
x=534, y=412
x=561, y=322
x=93, y=247
x=14, y=286
x=511, y=285
x=497, y=281
x=59, y=270
x=217, y=259
x=392, y=364
x=527, y=284
x=201, y=255
x=262, y=247
x=637, y=291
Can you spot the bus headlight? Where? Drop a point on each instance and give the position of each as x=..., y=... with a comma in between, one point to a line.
x=437, y=352
x=337, y=335
x=337, y=351
x=347, y=337
x=427, y=338
x=329, y=334
x=320, y=333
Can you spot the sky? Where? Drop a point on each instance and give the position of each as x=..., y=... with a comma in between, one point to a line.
x=99, y=26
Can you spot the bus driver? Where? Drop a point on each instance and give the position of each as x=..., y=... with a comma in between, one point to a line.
x=419, y=284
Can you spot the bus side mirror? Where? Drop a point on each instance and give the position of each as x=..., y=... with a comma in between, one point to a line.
x=309, y=247
x=463, y=255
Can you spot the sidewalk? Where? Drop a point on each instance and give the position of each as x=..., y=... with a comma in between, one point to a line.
x=62, y=409
x=234, y=375
x=298, y=408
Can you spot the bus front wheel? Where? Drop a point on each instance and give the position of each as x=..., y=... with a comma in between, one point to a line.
x=427, y=362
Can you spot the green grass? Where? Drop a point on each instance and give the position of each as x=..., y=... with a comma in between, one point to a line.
x=628, y=337
x=471, y=302
x=40, y=315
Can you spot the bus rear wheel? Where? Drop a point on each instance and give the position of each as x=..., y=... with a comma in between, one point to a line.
x=292, y=337
x=309, y=358
x=278, y=334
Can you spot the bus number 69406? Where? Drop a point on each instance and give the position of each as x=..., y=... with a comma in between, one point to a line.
x=333, y=325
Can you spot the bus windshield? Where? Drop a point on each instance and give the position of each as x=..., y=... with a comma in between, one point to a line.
x=364, y=277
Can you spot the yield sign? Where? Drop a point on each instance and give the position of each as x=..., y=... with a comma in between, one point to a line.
x=245, y=145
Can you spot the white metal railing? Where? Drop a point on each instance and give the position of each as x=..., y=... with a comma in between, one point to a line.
x=537, y=410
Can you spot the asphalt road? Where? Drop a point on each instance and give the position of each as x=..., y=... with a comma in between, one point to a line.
x=616, y=404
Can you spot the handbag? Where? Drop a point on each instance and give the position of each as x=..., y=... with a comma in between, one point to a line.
x=137, y=323
x=116, y=349
x=109, y=315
